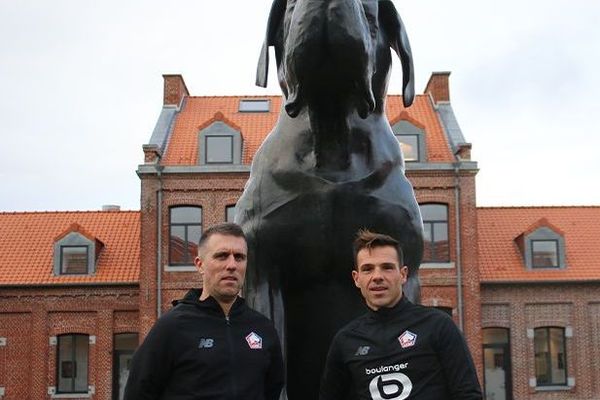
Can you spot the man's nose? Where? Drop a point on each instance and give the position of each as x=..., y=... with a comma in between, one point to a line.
x=377, y=275
x=231, y=262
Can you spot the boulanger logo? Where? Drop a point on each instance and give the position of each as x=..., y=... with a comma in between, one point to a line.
x=395, y=386
x=386, y=368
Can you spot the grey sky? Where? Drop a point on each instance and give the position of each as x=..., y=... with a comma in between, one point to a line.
x=82, y=88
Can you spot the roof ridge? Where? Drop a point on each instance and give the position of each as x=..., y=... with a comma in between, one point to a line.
x=531, y=207
x=70, y=212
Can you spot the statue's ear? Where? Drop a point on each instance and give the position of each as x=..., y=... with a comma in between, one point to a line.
x=391, y=23
x=275, y=19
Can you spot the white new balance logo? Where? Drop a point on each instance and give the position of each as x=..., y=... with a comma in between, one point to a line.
x=362, y=351
x=206, y=343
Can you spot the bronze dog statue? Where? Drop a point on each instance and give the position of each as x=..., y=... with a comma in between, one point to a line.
x=330, y=166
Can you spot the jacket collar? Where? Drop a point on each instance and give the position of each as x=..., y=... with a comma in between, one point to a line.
x=390, y=312
x=210, y=304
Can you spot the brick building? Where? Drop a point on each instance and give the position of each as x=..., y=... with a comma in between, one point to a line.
x=124, y=268
x=69, y=302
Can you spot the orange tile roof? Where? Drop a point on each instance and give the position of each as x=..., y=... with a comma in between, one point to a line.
x=500, y=259
x=27, y=240
x=199, y=112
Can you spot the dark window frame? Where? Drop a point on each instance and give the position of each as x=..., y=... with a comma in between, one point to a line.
x=87, y=258
x=188, y=259
x=432, y=223
x=549, y=356
x=206, y=153
x=557, y=248
x=505, y=346
x=74, y=357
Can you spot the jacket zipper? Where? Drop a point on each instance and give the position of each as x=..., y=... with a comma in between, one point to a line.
x=232, y=367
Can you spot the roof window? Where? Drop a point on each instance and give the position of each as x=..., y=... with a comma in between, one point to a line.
x=76, y=252
x=255, y=105
x=411, y=139
x=542, y=247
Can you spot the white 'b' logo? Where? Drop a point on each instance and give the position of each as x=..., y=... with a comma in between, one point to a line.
x=394, y=386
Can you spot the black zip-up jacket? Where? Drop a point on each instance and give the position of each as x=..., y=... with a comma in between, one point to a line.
x=194, y=352
x=404, y=352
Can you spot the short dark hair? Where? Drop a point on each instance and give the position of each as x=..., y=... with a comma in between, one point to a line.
x=226, y=229
x=365, y=239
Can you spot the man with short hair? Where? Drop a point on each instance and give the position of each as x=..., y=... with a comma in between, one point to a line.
x=397, y=350
x=210, y=345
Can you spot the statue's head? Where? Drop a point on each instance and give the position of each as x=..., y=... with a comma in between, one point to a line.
x=338, y=48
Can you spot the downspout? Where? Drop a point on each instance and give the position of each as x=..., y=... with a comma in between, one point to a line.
x=459, y=289
x=159, y=193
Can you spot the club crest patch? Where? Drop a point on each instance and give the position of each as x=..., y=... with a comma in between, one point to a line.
x=254, y=341
x=407, y=339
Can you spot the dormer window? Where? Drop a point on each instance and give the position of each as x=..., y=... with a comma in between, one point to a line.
x=255, y=105
x=219, y=149
x=74, y=260
x=544, y=254
x=410, y=147
x=542, y=246
x=219, y=143
x=412, y=140
x=76, y=252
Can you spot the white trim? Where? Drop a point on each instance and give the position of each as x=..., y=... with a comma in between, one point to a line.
x=92, y=339
x=71, y=396
x=530, y=334
x=180, y=268
x=448, y=265
x=2, y=391
x=52, y=341
x=569, y=331
x=3, y=342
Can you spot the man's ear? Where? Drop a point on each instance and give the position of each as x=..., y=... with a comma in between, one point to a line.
x=198, y=263
x=355, y=277
x=393, y=26
x=404, y=273
x=275, y=20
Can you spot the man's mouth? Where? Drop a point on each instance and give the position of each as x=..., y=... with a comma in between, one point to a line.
x=378, y=289
x=229, y=278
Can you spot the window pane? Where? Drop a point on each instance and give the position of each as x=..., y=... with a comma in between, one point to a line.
x=544, y=253
x=81, y=363
x=194, y=233
x=74, y=259
x=410, y=147
x=177, y=245
x=219, y=149
x=440, y=241
x=72, y=368
x=434, y=212
x=230, y=213
x=495, y=336
x=126, y=341
x=557, y=356
x=254, y=105
x=65, y=365
x=550, y=356
x=186, y=215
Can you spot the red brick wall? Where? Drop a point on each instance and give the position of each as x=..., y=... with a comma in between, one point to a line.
x=29, y=317
x=522, y=307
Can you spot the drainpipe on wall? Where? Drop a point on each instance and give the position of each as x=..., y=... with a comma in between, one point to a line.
x=459, y=291
x=159, y=169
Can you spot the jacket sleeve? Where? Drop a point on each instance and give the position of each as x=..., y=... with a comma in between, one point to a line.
x=336, y=380
x=151, y=363
x=275, y=375
x=457, y=364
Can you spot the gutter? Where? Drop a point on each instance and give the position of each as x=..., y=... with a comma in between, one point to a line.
x=159, y=195
x=459, y=289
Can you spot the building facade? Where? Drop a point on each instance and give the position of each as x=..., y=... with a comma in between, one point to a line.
x=522, y=283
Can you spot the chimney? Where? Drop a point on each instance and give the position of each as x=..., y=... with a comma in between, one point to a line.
x=111, y=207
x=174, y=90
x=438, y=86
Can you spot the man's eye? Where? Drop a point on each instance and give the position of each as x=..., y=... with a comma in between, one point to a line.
x=221, y=256
x=240, y=257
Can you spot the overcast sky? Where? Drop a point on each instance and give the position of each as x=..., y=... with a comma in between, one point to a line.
x=81, y=90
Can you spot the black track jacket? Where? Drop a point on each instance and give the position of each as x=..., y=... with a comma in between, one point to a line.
x=194, y=352
x=404, y=352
